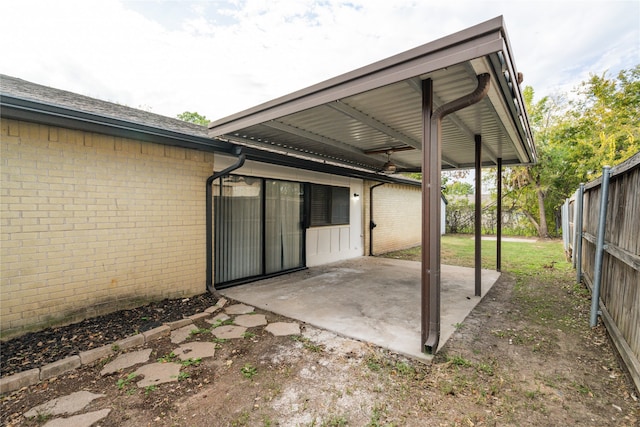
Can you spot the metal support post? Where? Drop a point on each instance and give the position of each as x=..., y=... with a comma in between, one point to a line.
x=577, y=246
x=499, y=222
x=602, y=225
x=478, y=218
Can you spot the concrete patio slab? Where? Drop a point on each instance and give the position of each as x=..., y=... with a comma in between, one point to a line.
x=372, y=299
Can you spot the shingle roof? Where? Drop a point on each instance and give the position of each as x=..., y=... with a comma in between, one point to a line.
x=23, y=89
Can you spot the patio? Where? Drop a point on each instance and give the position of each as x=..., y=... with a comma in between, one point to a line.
x=371, y=299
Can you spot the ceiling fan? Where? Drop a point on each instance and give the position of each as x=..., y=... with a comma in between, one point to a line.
x=389, y=167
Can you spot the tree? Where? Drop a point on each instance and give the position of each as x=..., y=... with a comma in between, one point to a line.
x=574, y=140
x=458, y=188
x=527, y=186
x=193, y=117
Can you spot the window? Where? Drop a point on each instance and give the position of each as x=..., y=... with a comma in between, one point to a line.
x=328, y=205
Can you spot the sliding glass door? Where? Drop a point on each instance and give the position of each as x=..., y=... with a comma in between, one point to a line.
x=283, y=222
x=258, y=228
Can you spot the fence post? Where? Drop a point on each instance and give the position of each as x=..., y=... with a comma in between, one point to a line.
x=577, y=244
x=565, y=225
x=597, y=269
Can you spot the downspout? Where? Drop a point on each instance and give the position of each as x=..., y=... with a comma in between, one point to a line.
x=372, y=224
x=209, y=208
x=431, y=180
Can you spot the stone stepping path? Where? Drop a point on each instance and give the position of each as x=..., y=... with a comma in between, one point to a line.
x=158, y=373
x=239, y=309
x=126, y=361
x=250, y=320
x=155, y=373
x=228, y=332
x=218, y=318
x=82, y=420
x=195, y=350
x=283, y=328
x=180, y=335
x=64, y=405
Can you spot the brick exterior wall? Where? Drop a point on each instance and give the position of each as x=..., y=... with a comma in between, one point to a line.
x=397, y=213
x=91, y=224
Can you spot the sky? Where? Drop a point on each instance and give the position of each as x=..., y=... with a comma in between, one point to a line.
x=219, y=57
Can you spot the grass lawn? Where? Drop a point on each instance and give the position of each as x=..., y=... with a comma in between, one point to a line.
x=517, y=257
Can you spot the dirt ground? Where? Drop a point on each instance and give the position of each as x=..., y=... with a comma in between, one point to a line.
x=524, y=357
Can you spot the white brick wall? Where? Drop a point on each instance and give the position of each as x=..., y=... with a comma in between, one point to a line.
x=91, y=223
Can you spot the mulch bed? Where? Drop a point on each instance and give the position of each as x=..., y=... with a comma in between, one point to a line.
x=49, y=345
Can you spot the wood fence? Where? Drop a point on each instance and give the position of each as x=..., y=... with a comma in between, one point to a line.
x=620, y=281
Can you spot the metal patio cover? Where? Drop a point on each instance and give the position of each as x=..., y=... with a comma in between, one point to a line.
x=364, y=118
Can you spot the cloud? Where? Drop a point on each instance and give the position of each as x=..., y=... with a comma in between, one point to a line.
x=219, y=57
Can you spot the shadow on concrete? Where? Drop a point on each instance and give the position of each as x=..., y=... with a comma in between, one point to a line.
x=371, y=299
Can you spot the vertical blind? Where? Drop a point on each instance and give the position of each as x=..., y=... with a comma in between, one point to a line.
x=258, y=227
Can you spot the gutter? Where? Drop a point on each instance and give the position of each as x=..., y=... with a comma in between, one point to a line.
x=372, y=224
x=15, y=108
x=209, y=214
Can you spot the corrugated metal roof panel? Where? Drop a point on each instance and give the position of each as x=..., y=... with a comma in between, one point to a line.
x=379, y=107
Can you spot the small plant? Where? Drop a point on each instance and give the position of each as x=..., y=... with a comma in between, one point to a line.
x=242, y=420
x=183, y=376
x=199, y=331
x=115, y=347
x=43, y=417
x=459, y=361
x=307, y=344
x=335, y=421
x=249, y=371
x=123, y=382
x=219, y=340
x=583, y=389
x=531, y=394
x=404, y=369
x=248, y=335
x=150, y=389
x=190, y=361
x=167, y=358
x=373, y=364
x=458, y=326
x=219, y=323
x=378, y=412
x=485, y=368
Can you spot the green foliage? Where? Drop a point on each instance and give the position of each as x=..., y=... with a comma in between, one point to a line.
x=190, y=361
x=167, y=358
x=249, y=371
x=193, y=117
x=459, y=188
x=575, y=139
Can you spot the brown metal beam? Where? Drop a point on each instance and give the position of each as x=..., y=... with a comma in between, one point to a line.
x=499, y=222
x=478, y=217
x=431, y=199
x=430, y=272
